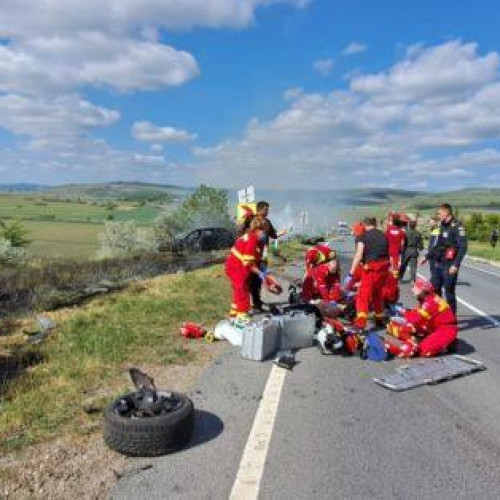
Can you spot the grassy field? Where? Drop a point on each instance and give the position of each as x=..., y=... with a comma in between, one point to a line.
x=86, y=358
x=40, y=207
x=70, y=228
x=63, y=239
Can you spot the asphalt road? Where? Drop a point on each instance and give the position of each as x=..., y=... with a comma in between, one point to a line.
x=338, y=435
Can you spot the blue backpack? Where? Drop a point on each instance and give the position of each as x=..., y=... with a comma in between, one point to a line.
x=374, y=348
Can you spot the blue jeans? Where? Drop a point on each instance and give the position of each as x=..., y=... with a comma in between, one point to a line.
x=441, y=278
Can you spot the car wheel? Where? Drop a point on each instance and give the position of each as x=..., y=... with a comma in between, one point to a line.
x=149, y=436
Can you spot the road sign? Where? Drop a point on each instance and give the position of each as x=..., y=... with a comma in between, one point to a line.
x=246, y=195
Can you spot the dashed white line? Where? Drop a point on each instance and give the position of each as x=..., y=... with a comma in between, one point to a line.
x=247, y=483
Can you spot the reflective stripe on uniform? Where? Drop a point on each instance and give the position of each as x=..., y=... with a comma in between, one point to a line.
x=245, y=259
x=425, y=314
x=442, y=305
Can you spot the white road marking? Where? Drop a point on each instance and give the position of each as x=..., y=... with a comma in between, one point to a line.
x=481, y=269
x=473, y=308
x=492, y=320
x=247, y=483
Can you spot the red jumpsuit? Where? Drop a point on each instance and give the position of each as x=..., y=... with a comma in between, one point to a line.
x=435, y=322
x=243, y=256
x=321, y=283
x=373, y=278
x=396, y=237
x=318, y=254
x=390, y=290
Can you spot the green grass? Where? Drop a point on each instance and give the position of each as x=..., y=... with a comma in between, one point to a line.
x=41, y=207
x=70, y=228
x=94, y=345
x=63, y=239
x=484, y=250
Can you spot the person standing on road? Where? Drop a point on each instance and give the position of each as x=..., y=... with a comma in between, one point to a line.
x=413, y=246
x=447, y=254
x=372, y=251
x=255, y=282
x=242, y=263
x=396, y=236
x=494, y=238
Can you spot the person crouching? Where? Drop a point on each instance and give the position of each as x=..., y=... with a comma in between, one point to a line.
x=319, y=274
x=325, y=282
x=427, y=330
x=242, y=262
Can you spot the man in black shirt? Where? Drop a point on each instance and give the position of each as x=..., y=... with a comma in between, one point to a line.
x=372, y=253
x=447, y=254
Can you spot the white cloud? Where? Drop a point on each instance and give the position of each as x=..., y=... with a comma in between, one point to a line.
x=52, y=51
x=324, y=66
x=354, y=48
x=25, y=18
x=434, y=114
x=55, y=64
x=146, y=131
x=52, y=118
x=445, y=72
x=157, y=148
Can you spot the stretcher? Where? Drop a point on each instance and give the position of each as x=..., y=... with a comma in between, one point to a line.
x=429, y=371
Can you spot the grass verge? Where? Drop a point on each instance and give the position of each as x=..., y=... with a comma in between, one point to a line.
x=483, y=250
x=85, y=359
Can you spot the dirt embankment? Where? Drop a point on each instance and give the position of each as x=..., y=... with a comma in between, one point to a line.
x=83, y=467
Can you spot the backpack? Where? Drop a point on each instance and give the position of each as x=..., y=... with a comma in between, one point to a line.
x=374, y=348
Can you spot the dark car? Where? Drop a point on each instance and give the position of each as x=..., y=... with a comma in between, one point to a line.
x=204, y=239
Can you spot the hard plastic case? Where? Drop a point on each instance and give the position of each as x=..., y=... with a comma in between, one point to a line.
x=260, y=339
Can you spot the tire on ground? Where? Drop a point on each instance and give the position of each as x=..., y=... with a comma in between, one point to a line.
x=149, y=436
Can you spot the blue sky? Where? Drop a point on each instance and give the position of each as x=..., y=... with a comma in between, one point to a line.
x=303, y=94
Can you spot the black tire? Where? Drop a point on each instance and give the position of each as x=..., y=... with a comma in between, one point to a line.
x=149, y=436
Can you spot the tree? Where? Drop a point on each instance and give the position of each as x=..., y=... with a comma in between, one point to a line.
x=207, y=206
x=16, y=234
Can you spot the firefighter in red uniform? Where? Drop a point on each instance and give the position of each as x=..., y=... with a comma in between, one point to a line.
x=396, y=237
x=427, y=330
x=323, y=281
x=242, y=262
x=318, y=254
x=372, y=253
x=315, y=256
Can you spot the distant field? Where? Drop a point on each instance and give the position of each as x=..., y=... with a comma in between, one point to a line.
x=63, y=239
x=70, y=228
x=38, y=207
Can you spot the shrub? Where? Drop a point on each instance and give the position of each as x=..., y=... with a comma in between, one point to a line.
x=123, y=238
x=9, y=252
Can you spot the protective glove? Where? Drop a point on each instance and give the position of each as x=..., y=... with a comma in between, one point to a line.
x=263, y=273
x=399, y=310
x=346, y=282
